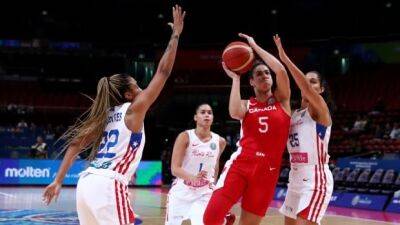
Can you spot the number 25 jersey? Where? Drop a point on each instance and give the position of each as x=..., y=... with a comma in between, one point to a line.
x=308, y=140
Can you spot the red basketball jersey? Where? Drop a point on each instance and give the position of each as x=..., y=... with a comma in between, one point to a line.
x=264, y=130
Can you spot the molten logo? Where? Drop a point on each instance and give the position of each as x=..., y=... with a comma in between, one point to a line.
x=28, y=171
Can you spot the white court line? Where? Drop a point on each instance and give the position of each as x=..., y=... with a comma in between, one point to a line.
x=8, y=195
x=353, y=218
x=334, y=215
x=362, y=219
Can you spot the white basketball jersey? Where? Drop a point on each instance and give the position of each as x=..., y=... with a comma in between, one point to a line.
x=200, y=156
x=308, y=141
x=120, y=149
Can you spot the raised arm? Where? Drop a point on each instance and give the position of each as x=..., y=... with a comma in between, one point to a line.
x=317, y=103
x=147, y=97
x=237, y=106
x=282, y=92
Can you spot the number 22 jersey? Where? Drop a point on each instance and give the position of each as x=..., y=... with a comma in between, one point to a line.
x=120, y=149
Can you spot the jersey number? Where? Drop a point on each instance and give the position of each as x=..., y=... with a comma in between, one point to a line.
x=263, y=123
x=110, y=139
x=294, y=140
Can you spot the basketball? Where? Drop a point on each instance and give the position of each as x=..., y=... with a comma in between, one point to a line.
x=238, y=57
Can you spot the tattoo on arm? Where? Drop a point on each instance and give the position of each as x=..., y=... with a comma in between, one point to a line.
x=173, y=37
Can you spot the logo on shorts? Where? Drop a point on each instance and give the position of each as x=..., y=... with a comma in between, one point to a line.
x=213, y=146
x=288, y=208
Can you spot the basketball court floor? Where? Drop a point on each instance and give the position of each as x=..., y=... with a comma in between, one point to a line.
x=23, y=205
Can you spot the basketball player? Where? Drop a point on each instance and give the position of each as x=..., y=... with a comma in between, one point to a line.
x=114, y=130
x=310, y=180
x=195, y=160
x=253, y=170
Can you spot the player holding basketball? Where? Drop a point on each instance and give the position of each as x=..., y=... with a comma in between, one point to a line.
x=195, y=161
x=113, y=129
x=253, y=170
x=310, y=180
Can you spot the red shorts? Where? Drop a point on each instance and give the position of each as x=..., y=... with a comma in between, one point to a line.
x=251, y=179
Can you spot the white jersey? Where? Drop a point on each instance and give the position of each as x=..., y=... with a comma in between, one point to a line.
x=308, y=141
x=120, y=150
x=200, y=156
x=310, y=184
x=188, y=200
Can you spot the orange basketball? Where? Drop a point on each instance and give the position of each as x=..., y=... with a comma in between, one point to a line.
x=238, y=57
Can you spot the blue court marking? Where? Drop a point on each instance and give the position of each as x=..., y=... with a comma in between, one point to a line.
x=40, y=217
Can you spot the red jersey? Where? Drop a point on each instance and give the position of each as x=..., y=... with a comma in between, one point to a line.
x=264, y=130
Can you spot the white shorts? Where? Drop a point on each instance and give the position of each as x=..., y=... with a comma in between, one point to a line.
x=182, y=205
x=102, y=200
x=309, y=189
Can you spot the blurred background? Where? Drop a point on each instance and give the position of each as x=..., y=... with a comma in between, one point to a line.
x=52, y=54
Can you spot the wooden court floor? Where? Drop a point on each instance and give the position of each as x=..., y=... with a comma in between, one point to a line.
x=149, y=204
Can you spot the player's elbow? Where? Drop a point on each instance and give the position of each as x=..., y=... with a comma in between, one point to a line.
x=282, y=71
x=174, y=170
x=235, y=114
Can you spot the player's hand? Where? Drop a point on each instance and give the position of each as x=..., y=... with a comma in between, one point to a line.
x=202, y=174
x=282, y=53
x=179, y=16
x=249, y=39
x=229, y=72
x=51, y=192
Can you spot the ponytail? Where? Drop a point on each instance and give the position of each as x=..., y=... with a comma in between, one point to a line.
x=92, y=123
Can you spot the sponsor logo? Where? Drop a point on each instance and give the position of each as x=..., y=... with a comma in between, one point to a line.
x=299, y=157
x=271, y=101
x=213, y=146
x=288, y=208
x=358, y=200
x=28, y=171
